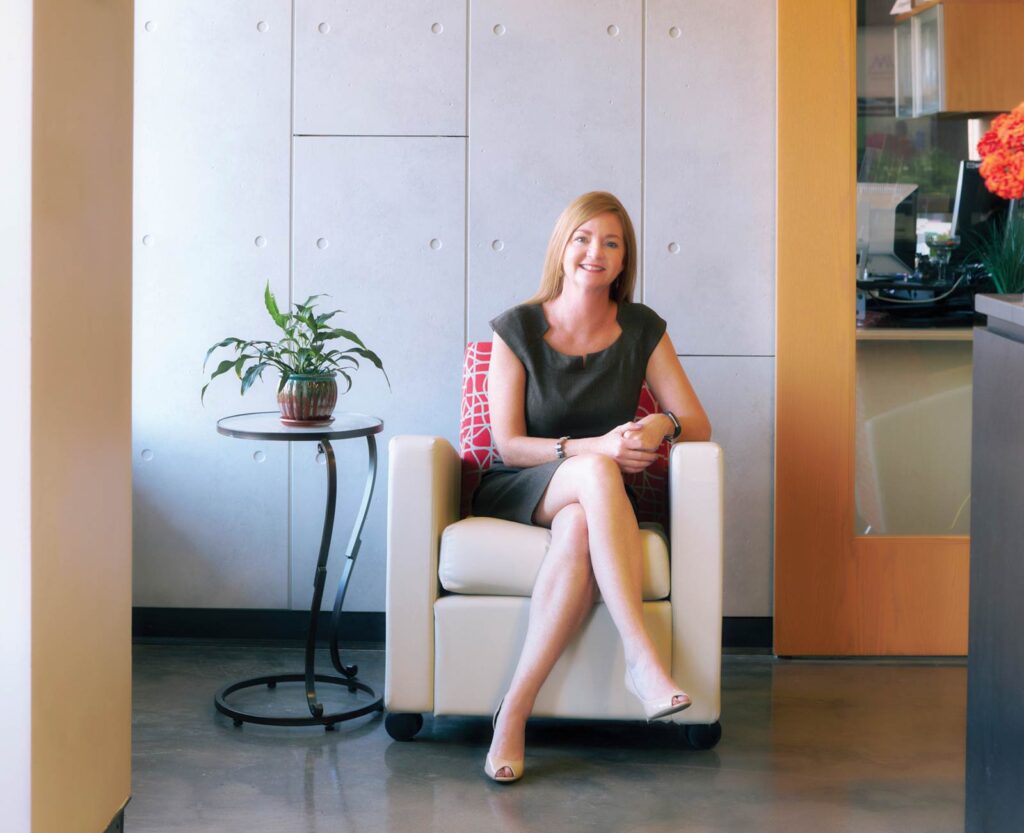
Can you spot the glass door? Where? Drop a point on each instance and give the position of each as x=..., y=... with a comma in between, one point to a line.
x=914, y=310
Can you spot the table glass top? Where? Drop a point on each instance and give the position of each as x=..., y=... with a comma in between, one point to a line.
x=267, y=425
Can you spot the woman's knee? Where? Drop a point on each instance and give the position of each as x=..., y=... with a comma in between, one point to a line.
x=570, y=539
x=570, y=528
x=599, y=474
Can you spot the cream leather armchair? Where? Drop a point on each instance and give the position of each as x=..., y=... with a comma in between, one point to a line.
x=458, y=599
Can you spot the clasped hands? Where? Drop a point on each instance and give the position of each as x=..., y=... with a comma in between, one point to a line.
x=633, y=445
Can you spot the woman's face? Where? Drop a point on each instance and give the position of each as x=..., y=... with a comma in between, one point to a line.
x=595, y=252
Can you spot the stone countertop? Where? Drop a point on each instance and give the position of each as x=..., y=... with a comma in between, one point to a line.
x=1004, y=307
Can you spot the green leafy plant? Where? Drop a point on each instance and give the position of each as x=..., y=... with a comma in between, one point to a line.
x=304, y=349
x=1000, y=250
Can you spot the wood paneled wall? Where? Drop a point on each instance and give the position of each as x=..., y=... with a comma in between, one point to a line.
x=81, y=414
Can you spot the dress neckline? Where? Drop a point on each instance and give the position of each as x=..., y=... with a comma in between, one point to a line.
x=571, y=361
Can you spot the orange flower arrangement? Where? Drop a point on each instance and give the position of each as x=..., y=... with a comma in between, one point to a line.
x=1002, y=155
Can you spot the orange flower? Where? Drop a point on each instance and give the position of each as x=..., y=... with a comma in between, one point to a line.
x=1002, y=155
x=1003, y=173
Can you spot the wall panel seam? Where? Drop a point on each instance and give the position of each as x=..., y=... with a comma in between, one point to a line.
x=642, y=248
x=465, y=189
x=291, y=277
x=378, y=135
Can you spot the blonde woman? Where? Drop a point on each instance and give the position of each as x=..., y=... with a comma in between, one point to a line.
x=565, y=377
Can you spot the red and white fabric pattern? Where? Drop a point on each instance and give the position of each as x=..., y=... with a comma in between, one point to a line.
x=476, y=444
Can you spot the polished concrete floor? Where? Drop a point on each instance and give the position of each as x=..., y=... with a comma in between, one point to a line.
x=822, y=747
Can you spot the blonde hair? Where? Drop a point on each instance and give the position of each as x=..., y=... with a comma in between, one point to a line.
x=576, y=213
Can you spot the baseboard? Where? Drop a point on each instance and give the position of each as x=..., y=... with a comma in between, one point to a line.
x=153, y=624
x=747, y=632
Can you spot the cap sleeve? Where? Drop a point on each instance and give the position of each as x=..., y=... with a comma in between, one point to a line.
x=514, y=326
x=648, y=326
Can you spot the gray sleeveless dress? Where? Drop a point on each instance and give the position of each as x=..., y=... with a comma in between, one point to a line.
x=578, y=396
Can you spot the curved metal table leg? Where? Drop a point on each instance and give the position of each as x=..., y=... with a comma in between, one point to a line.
x=309, y=676
x=351, y=553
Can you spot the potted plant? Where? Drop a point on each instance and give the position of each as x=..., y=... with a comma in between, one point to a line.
x=309, y=365
x=1001, y=149
x=1001, y=251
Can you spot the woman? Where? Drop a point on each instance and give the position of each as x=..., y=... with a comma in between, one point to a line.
x=565, y=377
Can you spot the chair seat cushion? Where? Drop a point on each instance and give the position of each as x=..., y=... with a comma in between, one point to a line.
x=492, y=557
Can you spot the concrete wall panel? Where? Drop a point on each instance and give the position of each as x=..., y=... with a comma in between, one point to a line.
x=738, y=394
x=380, y=68
x=379, y=226
x=555, y=111
x=710, y=173
x=212, y=147
x=674, y=113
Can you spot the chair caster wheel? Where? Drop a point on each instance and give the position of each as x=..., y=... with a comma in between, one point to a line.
x=403, y=726
x=272, y=684
x=238, y=722
x=703, y=736
x=330, y=727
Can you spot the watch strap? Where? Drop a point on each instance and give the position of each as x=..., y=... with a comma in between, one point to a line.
x=677, y=429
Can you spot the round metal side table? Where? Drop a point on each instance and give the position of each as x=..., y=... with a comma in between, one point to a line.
x=267, y=426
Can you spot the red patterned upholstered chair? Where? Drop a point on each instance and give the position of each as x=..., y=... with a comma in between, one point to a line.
x=458, y=587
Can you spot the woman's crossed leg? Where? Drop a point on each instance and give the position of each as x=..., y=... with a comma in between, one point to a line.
x=595, y=541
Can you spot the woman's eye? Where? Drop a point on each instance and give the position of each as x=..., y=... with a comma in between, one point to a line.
x=579, y=239
x=613, y=244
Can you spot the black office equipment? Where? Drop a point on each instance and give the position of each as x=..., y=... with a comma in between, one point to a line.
x=975, y=209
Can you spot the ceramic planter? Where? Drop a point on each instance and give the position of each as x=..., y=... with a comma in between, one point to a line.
x=308, y=399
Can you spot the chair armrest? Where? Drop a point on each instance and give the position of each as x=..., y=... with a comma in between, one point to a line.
x=424, y=481
x=696, y=528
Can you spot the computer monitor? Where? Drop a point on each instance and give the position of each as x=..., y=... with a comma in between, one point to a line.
x=975, y=209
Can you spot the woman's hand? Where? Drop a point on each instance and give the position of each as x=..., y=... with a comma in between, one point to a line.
x=625, y=444
x=650, y=431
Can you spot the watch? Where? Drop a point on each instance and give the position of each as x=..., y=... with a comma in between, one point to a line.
x=677, y=428
x=560, y=447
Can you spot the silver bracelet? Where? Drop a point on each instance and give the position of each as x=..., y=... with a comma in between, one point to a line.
x=560, y=447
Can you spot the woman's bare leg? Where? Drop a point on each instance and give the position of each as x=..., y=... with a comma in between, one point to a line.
x=562, y=597
x=594, y=482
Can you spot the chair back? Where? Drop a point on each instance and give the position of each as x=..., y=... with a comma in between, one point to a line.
x=476, y=443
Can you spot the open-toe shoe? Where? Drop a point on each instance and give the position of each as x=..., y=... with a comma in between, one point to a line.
x=492, y=766
x=660, y=706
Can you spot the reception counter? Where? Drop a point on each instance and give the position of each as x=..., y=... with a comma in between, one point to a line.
x=995, y=675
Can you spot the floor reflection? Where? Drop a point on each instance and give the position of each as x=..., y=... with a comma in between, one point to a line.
x=807, y=746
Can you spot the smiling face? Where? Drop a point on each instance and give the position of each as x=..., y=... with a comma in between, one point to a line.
x=594, y=255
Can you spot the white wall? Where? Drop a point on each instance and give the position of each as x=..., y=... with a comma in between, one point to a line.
x=468, y=124
x=212, y=208
x=15, y=425
x=710, y=190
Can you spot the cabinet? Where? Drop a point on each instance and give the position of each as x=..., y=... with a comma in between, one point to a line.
x=920, y=85
x=959, y=56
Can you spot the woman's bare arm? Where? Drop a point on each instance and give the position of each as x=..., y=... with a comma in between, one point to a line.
x=670, y=386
